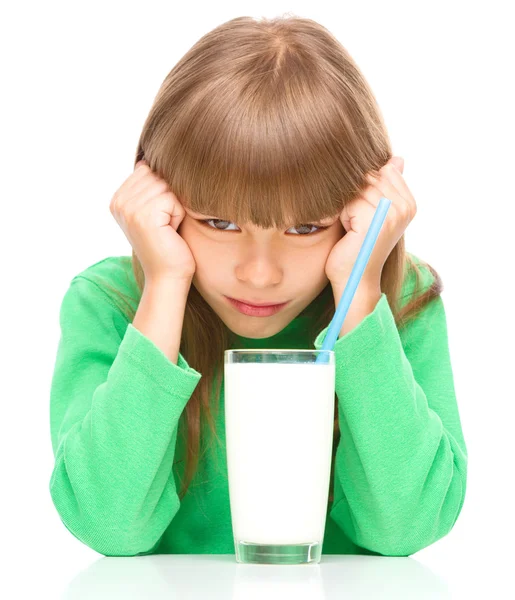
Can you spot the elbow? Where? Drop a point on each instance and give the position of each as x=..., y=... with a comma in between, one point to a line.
x=407, y=536
x=406, y=545
x=422, y=532
x=104, y=531
x=388, y=544
x=108, y=542
x=429, y=519
x=394, y=547
x=106, y=523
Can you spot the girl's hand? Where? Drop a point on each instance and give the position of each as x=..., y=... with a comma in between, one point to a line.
x=149, y=215
x=356, y=218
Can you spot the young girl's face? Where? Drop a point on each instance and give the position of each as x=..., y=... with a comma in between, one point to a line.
x=258, y=265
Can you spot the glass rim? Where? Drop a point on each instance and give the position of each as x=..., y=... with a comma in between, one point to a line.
x=284, y=350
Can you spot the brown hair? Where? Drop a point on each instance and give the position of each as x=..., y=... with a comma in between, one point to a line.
x=260, y=120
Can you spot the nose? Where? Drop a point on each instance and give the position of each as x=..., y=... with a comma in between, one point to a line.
x=259, y=269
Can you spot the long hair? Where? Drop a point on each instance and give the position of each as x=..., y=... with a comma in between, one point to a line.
x=263, y=120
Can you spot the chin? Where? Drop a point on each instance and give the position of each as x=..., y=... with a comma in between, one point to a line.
x=257, y=331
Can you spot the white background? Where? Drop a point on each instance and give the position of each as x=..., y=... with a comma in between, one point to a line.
x=78, y=80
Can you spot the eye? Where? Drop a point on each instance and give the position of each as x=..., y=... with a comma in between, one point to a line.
x=308, y=225
x=318, y=227
x=206, y=221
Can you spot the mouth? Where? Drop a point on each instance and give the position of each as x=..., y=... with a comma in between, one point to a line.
x=256, y=310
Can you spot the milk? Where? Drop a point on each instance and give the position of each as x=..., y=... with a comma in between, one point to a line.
x=279, y=420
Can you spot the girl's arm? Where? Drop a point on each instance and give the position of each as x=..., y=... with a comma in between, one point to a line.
x=160, y=314
x=115, y=403
x=401, y=462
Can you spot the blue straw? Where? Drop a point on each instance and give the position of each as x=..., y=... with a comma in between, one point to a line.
x=355, y=277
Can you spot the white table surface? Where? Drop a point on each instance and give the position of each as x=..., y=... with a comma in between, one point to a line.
x=434, y=573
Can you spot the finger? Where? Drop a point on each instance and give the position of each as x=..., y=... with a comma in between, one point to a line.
x=138, y=174
x=357, y=214
x=148, y=191
x=385, y=187
x=400, y=184
x=141, y=179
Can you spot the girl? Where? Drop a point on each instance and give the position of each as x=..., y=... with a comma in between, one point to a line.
x=264, y=133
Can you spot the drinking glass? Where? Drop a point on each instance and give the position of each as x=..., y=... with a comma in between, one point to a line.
x=279, y=419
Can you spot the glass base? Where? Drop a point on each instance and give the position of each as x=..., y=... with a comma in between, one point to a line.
x=278, y=554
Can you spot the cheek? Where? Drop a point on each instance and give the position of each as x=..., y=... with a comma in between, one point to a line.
x=211, y=264
x=309, y=266
x=191, y=236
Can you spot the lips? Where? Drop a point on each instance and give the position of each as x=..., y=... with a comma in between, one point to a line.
x=258, y=304
x=256, y=311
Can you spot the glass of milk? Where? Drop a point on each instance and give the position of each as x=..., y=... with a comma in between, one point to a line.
x=279, y=420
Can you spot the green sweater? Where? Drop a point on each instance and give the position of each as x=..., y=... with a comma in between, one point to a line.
x=116, y=399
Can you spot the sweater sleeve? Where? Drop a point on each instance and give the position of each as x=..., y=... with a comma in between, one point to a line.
x=115, y=403
x=401, y=461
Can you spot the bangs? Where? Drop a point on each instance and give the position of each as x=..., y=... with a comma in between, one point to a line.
x=263, y=152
